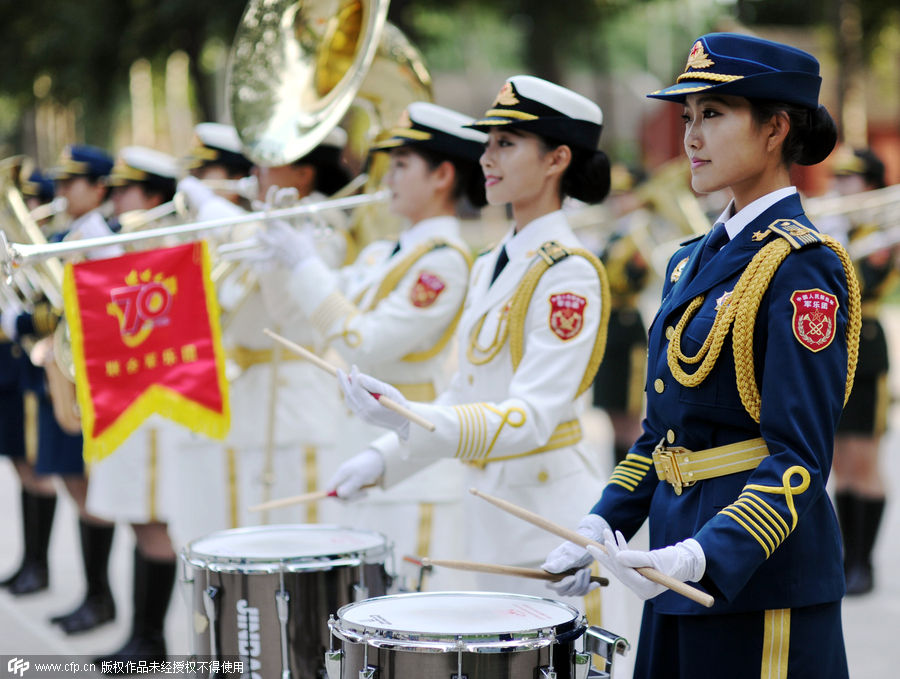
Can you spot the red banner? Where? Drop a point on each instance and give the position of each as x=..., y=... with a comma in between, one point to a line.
x=146, y=339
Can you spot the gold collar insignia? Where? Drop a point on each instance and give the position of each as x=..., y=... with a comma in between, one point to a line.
x=676, y=272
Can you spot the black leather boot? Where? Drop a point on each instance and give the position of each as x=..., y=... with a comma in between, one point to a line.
x=98, y=606
x=845, y=503
x=26, y=507
x=860, y=579
x=34, y=575
x=153, y=583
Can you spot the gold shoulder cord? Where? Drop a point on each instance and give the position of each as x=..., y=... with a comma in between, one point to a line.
x=513, y=325
x=742, y=308
x=392, y=280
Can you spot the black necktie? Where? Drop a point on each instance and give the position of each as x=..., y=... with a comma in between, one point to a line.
x=717, y=240
x=502, y=261
x=395, y=250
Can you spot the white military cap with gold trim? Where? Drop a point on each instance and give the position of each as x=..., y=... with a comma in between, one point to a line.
x=138, y=164
x=535, y=105
x=439, y=129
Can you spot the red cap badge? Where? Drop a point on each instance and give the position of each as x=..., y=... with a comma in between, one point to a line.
x=567, y=314
x=426, y=290
x=814, y=323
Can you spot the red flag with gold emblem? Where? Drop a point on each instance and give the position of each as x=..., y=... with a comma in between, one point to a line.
x=146, y=339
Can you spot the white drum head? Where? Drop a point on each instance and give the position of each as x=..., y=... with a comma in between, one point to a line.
x=266, y=544
x=457, y=613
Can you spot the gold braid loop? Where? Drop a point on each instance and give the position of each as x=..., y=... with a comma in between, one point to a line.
x=518, y=309
x=742, y=309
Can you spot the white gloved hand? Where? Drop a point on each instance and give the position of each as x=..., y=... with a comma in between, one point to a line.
x=569, y=555
x=357, y=472
x=196, y=191
x=285, y=244
x=8, y=322
x=684, y=561
x=358, y=389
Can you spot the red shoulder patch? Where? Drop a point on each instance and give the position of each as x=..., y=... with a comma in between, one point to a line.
x=426, y=290
x=567, y=314
x=814, y=323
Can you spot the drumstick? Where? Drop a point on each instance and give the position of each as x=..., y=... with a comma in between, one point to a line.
x=682, y=588
x=298, y=499
x=533, y=573
x=327, y=367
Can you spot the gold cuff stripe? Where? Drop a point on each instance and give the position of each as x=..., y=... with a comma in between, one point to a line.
x=246, y=358
x=776, y=644
x=626, y=486
x=635, y=465
x=639, y=458
x=755, y=499
x=762, y=544
x=506, y=113
x=628, y=473
x=566, y=434
x=751, y=517
x=334, y=308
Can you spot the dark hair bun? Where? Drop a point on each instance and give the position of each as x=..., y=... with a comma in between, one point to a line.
x=474, y=187
x=820, y=139
x=588, y=177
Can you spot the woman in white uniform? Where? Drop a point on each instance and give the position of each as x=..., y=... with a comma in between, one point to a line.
x=393, y=312
x=531, y=337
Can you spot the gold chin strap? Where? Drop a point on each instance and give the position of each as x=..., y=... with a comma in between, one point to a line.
x=742, y=308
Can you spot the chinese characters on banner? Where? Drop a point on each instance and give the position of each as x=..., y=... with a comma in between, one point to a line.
x=146, y=339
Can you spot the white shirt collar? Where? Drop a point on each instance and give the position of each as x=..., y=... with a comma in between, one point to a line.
x=735, y=224
x=533, y=234
x=435, y=227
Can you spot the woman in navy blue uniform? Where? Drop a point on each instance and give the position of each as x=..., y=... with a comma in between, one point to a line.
x=751, y=358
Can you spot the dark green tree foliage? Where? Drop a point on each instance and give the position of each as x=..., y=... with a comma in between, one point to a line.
x=88, y=46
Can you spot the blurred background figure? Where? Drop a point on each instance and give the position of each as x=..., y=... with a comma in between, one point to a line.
x=859, y=487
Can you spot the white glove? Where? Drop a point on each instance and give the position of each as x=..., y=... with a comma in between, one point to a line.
x=358, y=389
x=569, y=555
x=8, y=322
x=196, y=191
x=684, y=561
x=286, y=244
x=357, y=472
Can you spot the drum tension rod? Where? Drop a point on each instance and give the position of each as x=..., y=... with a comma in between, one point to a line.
x=282, y=598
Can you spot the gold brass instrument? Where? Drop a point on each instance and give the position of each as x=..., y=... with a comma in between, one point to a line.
x=54, y=207
x=880, y=207
x=17, y=255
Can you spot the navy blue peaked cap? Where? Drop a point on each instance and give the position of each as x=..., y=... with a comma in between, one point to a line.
x=81, y=160
x=741, y=65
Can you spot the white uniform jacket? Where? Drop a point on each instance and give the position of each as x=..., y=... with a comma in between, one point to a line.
x=498, y=419
x=93, y=225
x=393, y=313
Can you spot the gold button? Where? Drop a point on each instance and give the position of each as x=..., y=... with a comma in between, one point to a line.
x=670, y=332
x=660, y=386
x=543, y=476
x=670, y=436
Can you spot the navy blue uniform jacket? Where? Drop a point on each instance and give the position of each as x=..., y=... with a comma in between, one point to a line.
x=768, y=550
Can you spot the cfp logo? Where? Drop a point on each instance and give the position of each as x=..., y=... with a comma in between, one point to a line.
x=16, y=666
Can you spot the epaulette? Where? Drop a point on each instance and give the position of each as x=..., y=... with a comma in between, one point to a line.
x=793, y=232
x=690, y=240
x=488, y=249
x=552, y=252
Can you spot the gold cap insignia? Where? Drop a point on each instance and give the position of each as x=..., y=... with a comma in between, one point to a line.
x=405, y=120
x=507, y=96
x=698, y=57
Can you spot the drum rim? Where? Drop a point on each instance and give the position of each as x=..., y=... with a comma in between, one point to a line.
x=412, y=640
x=374, y=555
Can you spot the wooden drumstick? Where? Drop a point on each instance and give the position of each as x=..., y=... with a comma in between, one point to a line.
x=533, y=573
x=298, y=499
x=682, y=588
x=327, y=367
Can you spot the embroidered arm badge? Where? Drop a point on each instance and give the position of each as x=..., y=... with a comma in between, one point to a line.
x=426, y=290
x=567, y=314
x=814, y=323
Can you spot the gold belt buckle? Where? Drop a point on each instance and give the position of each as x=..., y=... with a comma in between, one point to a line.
x=670, y=466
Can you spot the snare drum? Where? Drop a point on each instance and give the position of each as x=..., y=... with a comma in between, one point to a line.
x=470, y=635
x=263, y=595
